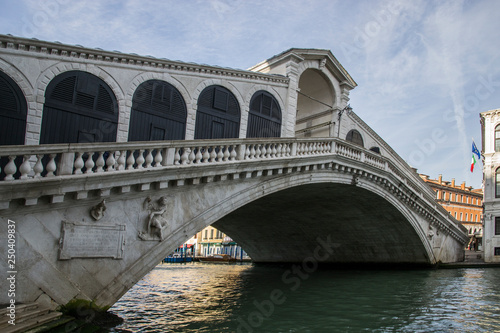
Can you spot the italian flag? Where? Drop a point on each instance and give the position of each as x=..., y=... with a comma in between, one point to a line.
x=472, y=163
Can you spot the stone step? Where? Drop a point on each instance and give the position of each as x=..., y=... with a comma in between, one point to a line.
x=28, y=316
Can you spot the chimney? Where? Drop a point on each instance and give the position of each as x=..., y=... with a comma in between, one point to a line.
x=463, y=186
x=440, y=179
x=453, y=182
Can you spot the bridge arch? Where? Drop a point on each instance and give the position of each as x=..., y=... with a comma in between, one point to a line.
x=401, y=238
x=241, y=216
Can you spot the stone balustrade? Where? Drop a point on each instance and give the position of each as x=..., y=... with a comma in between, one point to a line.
x=27, y=162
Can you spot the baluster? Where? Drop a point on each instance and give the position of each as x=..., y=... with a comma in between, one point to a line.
x=288, y=149
x=51, y=166
x=263, y=151
x=140, y=159
x=185, y=155
x=10, y=169
x=219, y=154
x=274, y=151
x=110, y=161
x=89, y=163
x=247, y=152
x=232, y=155
x=38, y=168
x=213, y=154
x=279, y=151
x=206, y=155
x=121, y=160
x=252, y=152
x=177, y=156
x=191, y=156
x=25, y=167
x=131, y=161
x=226, y=154
x=199, y=155
x=158, y=158
x=258, y=152
x=149, y=158
x=78, y=164
x=100, y=162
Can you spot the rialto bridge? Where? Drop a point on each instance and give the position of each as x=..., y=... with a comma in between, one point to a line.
x=111, y=161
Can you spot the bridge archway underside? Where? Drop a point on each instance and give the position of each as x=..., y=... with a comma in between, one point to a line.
x=329, y=222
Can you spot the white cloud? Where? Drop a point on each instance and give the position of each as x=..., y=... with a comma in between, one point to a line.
x=420, y=65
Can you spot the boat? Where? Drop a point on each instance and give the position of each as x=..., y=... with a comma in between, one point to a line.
x=218, y=258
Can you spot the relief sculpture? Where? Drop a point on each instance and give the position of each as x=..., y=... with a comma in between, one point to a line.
x=157, y=220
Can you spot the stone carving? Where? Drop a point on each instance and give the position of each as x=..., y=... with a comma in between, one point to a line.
x=97, y=212
x=430, y=233
x=157, y=220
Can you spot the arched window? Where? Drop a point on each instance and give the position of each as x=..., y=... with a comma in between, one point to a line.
x=158, y=113
x=355, y=137
x=218, y=114
x=497, y=138
x=264, y=119
x=497, y=183
x=79, y=107
x=13, y=112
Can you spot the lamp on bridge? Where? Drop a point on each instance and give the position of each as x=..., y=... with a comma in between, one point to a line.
x=348, y=109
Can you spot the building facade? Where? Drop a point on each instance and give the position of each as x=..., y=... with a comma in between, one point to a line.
x=463, y=203
x=211, y=241
x=490, y=130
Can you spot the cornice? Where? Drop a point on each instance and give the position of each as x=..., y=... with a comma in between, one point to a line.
x=69, y=52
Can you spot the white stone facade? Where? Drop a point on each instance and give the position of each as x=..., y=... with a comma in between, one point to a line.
x=491, y=237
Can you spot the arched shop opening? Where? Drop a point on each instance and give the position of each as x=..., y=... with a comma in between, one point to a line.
x=218, y=114
x=158, y=113
x=264, y=119
x=79, y=107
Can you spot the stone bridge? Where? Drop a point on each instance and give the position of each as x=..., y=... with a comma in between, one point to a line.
x=92, y=219
x=110, y=161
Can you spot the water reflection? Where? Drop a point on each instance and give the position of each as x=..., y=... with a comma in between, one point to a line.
x=245, y=298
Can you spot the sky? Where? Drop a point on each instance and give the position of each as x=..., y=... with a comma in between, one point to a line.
x=425, y=69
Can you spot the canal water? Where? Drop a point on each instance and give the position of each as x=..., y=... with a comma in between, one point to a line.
x=198, y=297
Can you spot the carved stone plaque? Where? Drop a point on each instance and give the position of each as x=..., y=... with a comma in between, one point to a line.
x=80, y=240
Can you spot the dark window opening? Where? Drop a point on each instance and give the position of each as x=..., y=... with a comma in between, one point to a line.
x=355, y=137
x=264, y=119
x=79, y=107
x=158, y=113
x=497, y=226
x=497, y=251
x=375, y=150
x=218, y=114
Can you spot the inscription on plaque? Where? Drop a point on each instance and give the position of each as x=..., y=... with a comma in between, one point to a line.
x=91, y=241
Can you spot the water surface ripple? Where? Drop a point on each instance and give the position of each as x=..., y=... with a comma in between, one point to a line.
x=200, y=297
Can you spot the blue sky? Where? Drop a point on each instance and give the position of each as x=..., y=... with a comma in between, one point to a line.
x=425, y=69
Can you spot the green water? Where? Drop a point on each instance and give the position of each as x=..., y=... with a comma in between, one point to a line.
x=246, y=298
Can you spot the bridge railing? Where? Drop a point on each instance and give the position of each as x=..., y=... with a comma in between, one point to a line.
x=19, y=163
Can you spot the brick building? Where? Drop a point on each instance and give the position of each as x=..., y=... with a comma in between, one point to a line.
x=463, y=202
